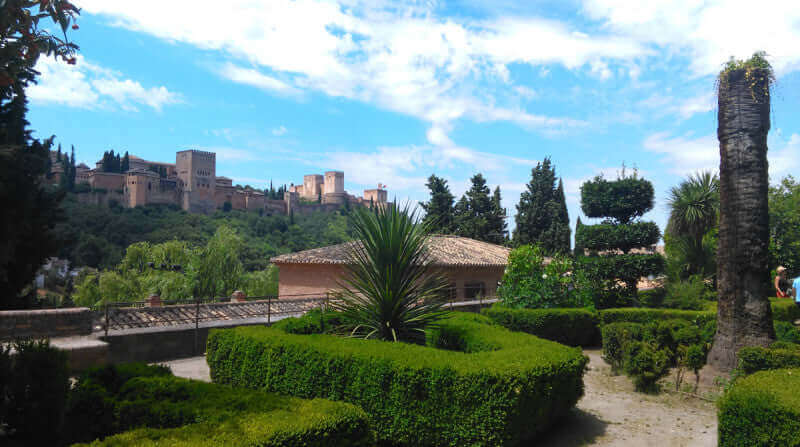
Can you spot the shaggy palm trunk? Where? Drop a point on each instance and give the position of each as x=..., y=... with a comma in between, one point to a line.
x=744, y=317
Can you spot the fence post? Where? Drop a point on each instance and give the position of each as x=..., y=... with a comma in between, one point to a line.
x=106, y=322
x=196, y=324
x=269, y=309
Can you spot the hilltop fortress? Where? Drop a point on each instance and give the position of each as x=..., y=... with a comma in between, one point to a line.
x=191, y=183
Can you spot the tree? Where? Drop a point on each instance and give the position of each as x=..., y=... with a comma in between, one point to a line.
x=439, y=212
x=744, y=316
x=389, y=292
x=694, y=210
x=473, y=210
x=620, y=202
x=125, y=164
x=784, y=224
x=30, y=210
x=497, y=228
x=218, y=268
x=542, y=211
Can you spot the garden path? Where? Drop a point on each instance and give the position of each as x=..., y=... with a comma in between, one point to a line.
x=610, y=413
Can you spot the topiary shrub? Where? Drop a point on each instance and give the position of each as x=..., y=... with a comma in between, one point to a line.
x=761, y=410
x=785, y=310
x=508, y=387
x=162, y=410
x=572, y=327
x=645, y=364
x=785, y=331
x=615, y=337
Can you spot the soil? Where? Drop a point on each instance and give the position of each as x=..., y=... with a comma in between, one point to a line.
x=611, y=413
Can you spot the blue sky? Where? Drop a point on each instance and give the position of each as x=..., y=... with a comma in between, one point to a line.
x=391, y=92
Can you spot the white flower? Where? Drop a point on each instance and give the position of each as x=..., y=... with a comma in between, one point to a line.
x=544, y=276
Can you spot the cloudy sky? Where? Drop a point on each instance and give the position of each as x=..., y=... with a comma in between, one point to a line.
x=392, y=92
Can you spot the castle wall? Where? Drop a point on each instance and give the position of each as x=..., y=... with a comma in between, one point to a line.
x=272, y=206
x=101, y=198
x=312, y=187
x=110, y=181
x=197, y=175
x=254, y=201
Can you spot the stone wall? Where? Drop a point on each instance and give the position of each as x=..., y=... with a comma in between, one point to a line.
x=45, y=323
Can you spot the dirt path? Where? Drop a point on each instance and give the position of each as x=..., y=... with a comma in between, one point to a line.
x=610, y=413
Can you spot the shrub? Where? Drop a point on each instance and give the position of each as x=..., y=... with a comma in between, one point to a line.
x=530, y=282
x=785, y=310
x=615, y=337
x=644, y=315
x=35, y=390
x=623, y=237
x=761, y=410
x=511, y=389
x=645, y=364
x=653, y=298
x=696, y=356
x=572, y=327
x=752, y=359
x=161, y=410
x=312, y=322
x=785, y=331
x=687, y=295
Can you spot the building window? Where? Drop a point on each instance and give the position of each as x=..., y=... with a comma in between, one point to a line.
x=452, y=291
x=473, y=290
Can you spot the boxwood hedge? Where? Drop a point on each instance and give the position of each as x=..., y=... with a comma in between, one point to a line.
x=752, y=359
x=572, y=327
x=646, y=315
x=761, y=410
x=485, y=385
x=162, y=410
x=785, y=310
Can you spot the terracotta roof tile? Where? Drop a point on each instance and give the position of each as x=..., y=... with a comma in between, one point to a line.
x=445, y=251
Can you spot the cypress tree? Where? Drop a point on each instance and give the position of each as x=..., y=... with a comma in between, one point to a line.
x=72, y=169
x=30, y=211
x=126, y=163
x=579, y=249
x=473, y=211
x=542, y=216
x=439, y=212
x=497, y=231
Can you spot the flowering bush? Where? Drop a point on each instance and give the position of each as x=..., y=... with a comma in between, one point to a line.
x=531, y=280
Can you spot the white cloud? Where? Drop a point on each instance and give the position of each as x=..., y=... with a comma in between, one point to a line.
x=685, y=108
x=401, y=57
x=257, y=79
x=685, y=155
x=87, y=85
x=279, y=131
x=708, y=32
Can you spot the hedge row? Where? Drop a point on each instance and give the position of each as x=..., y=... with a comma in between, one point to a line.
x=572, y=327
x=761, y=410
x=612, y=237
x=753, y=359
x=785, y=310
x=162, y=410
x=647, y=315
x=502, y=388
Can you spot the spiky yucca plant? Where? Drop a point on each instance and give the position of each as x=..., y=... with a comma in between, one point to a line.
x=389, y=291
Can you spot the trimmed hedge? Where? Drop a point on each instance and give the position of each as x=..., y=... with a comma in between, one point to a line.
x=761, y=410
x=612, y=237
x=572, y=327
x=752, y=359
x=162, y=410
x=507, y=387
x=645, y=315
x=785, y=310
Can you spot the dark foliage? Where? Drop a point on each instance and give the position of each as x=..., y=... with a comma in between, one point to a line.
x=572, y=327
x=623, y=200
x=542, y=212
x=612, y=237
x=439, y=209
x=478, y=216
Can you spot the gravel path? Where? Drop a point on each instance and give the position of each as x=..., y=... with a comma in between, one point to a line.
x=611, y=413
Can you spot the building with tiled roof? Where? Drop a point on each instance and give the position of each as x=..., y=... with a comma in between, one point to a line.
x=473, y=267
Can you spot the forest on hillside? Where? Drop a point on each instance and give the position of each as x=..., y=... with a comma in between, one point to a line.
x=97, y=236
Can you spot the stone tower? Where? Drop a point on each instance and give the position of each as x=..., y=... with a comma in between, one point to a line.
x=197, y=171
x=312, y=187
x=334, y=187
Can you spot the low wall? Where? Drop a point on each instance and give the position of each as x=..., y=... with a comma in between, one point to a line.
x=45, y=323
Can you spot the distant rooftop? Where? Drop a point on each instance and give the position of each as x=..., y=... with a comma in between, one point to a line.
x=445, y=251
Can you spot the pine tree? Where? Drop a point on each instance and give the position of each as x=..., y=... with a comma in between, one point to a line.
x=542, y=216
x=439, y=211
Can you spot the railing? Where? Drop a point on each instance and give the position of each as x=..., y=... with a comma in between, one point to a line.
x=146, y=313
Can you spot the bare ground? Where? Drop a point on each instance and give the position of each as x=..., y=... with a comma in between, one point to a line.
x=610, y=413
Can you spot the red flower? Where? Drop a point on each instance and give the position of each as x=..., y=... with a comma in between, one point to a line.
x=75, y=26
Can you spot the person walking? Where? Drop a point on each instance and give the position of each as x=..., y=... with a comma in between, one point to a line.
x=781, y=283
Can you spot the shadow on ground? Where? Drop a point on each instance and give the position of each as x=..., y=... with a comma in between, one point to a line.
x=576, y=429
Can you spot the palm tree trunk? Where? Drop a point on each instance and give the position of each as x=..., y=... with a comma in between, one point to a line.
x=744, y=317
